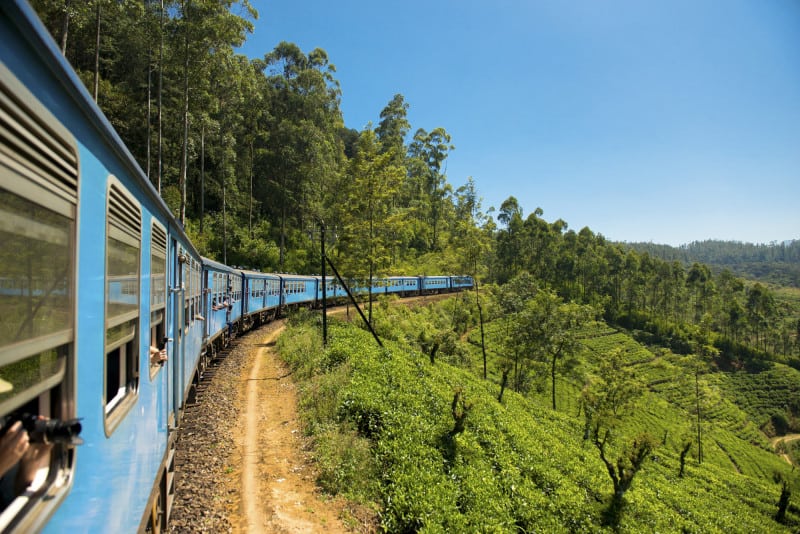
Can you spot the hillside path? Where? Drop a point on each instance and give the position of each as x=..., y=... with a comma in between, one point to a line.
x=788, y=438
x=278, y=488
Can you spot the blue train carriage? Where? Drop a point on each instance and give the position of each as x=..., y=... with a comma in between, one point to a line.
x=459, y=283
x=108, y=274
x=223, y=301
x=262, y=297
x=334, y=291
x=298, y=290
x=362, y=286
x=403, y=285
x=430, y=285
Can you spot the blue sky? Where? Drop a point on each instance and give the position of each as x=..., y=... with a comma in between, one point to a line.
x=668, y=121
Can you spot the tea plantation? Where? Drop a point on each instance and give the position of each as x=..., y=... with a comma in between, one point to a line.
x=385, y=425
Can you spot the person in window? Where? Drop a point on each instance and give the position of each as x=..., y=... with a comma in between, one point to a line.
x=221, y=305
x=20, y=460
x=226, y=304
x=13, y=446
x=158, y=356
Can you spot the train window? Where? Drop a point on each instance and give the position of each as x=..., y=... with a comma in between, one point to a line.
x=38, y=203
x=192, y=290
x=158, y=292
x=198, y=289
x=123, y=246
x=187, y=285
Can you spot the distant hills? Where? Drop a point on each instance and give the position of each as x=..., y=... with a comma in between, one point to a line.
x=777, y=263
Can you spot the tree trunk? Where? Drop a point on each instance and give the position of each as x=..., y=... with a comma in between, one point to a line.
x=185, y=143
x=224, y=210
x=202, y=174
x=160, y=82
x=480, y=319
x=149, y=101
x=250, y=220
x=97, y=52
x=65, y=27
x=553, y=375
x=699, y=442
x=283, y=237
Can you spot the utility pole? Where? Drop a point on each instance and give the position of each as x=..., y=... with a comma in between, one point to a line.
x=324, y=285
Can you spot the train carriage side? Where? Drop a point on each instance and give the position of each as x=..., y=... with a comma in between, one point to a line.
x=298, y=290
x=105, y=249
x=434, y=284
x=403, y=285
x=261, y=296
x=458, y=283
x=222, y=301
x=334, y=290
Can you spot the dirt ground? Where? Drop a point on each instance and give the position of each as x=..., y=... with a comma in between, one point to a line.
x=784, y=439
x=278, y=492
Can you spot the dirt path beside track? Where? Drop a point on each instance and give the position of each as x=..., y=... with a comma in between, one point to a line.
x=278, y=487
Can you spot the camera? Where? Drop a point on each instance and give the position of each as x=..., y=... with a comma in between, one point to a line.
x=46, y=430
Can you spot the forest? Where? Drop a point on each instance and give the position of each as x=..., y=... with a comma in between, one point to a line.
x=778, y=263
x=253, y=156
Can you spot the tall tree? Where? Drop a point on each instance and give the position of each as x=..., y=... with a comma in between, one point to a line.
x=304, y=153
x=552, y=330
x=368, y=226
x=394, y=127
x=428, y=152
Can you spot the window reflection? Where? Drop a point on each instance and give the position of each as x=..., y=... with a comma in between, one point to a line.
x=35, y=245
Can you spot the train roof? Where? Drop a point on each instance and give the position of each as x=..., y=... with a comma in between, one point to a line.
x=259, y=274
x=219, y=266
x=298, y=277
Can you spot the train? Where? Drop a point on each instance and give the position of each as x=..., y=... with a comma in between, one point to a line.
x=109, y=312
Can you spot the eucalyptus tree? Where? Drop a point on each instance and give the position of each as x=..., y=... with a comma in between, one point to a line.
x=206, y=31
x=368, y=224
x=429, y=189
x=700, y=283
x=394, y=127
x=518, y=346
x=304, y=152
x=541, y=245
x=62, y=16
x=760, y=310
x=509, y=239
x=551, y=327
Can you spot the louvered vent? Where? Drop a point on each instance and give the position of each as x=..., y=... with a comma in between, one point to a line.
x=123, y=213
x=33, y=141
x=159, y=241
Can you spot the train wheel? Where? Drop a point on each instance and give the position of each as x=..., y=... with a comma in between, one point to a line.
x=157, y=522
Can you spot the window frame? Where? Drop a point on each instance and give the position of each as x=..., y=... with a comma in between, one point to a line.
x=39, y=163
x=158, y=310
x=129, y=344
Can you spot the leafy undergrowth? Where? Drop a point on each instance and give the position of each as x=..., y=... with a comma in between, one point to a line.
x=385, y=432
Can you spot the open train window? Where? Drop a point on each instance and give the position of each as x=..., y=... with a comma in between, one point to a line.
x=38, y=206
x=187, y=286
x=158, y=293
x=123, y=249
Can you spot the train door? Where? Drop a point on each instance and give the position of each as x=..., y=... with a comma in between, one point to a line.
x=208, y=285
x=176, y=296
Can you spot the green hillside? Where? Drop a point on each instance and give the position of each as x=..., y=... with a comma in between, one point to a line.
x=385, y=425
